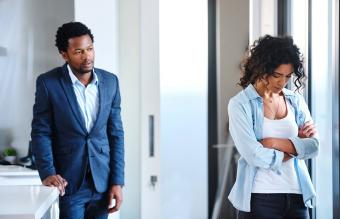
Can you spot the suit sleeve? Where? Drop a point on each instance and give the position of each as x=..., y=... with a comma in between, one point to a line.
x=116, y=140
x=42, y=131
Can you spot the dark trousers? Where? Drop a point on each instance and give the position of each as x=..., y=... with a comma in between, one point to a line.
x=275, y=206
x=85, y=203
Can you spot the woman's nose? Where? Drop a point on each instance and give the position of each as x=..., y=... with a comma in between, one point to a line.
x=282, y=81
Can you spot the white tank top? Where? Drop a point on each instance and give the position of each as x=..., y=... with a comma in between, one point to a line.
x=285, y=180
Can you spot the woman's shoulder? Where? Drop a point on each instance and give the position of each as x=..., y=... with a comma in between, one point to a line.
x=239, y=98
x=246, y=95
x=239, y=102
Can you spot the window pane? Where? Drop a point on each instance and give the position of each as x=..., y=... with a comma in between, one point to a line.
x=183, y=76
x=322, y=104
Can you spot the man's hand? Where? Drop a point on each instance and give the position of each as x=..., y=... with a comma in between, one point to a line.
x=115, y=192
x=307, y=130
x=56, y=181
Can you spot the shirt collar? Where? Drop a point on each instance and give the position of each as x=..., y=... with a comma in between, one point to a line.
x=74, y=79
x=252, y=93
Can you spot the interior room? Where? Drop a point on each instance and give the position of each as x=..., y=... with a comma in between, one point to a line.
x=178, y=64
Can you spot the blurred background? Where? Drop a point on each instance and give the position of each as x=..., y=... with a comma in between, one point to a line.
x=178, y=65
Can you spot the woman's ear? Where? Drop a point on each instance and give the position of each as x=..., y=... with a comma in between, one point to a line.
x=264, y=79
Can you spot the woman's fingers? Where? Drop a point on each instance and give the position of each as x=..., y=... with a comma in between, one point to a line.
x=308, y=130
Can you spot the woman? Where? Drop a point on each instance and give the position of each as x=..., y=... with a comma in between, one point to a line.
x=274, y=133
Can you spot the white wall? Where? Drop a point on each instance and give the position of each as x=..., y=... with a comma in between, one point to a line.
x=30, y=27
x=102, y=18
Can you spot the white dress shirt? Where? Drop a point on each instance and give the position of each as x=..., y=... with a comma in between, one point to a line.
x=87, y=98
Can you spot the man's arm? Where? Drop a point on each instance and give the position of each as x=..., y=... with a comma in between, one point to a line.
x=42, y=138
x=116, y=140
x=42, y=131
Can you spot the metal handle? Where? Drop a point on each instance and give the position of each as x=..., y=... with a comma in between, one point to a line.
x=153, y=180
x=151, y=136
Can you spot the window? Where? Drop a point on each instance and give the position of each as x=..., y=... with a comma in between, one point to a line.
x=317, y=42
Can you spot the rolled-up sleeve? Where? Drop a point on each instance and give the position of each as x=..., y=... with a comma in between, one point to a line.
x=306, y=148
x=241, y=130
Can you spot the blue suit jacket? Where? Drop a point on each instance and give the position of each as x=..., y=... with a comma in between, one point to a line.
x=60, y=141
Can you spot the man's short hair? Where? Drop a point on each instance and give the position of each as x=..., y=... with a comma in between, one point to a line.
x=70, y=30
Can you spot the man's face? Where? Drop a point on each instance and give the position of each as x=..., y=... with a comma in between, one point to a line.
x=80, y=54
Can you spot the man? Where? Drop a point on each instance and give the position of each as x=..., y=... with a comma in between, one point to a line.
x=77, y=133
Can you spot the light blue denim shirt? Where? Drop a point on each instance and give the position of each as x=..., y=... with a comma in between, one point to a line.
x=245, y=125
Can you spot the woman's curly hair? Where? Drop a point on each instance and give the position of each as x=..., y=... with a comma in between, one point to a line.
x=268, y=53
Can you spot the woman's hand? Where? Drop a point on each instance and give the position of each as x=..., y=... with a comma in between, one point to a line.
x=268, y=142
x=307, y=130
x=286, y=157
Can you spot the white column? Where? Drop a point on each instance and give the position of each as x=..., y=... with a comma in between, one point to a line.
x=102, y=18
x=262, y=19
x=129, y=62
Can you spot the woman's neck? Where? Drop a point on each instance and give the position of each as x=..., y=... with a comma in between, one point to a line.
x=263, y=91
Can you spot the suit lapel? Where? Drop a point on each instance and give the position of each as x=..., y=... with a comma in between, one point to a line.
x=71, y=96
x=102, y=90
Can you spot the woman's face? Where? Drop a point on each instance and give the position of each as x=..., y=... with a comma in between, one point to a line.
x=278, y=80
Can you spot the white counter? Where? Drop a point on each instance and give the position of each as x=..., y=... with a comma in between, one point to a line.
x=17, y=175
x=17, y=178
x=26, y=202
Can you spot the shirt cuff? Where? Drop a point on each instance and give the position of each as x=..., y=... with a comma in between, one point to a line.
x=298, y=147
x=277, y=160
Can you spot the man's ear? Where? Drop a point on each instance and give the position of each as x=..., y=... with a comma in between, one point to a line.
x=64, y=55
